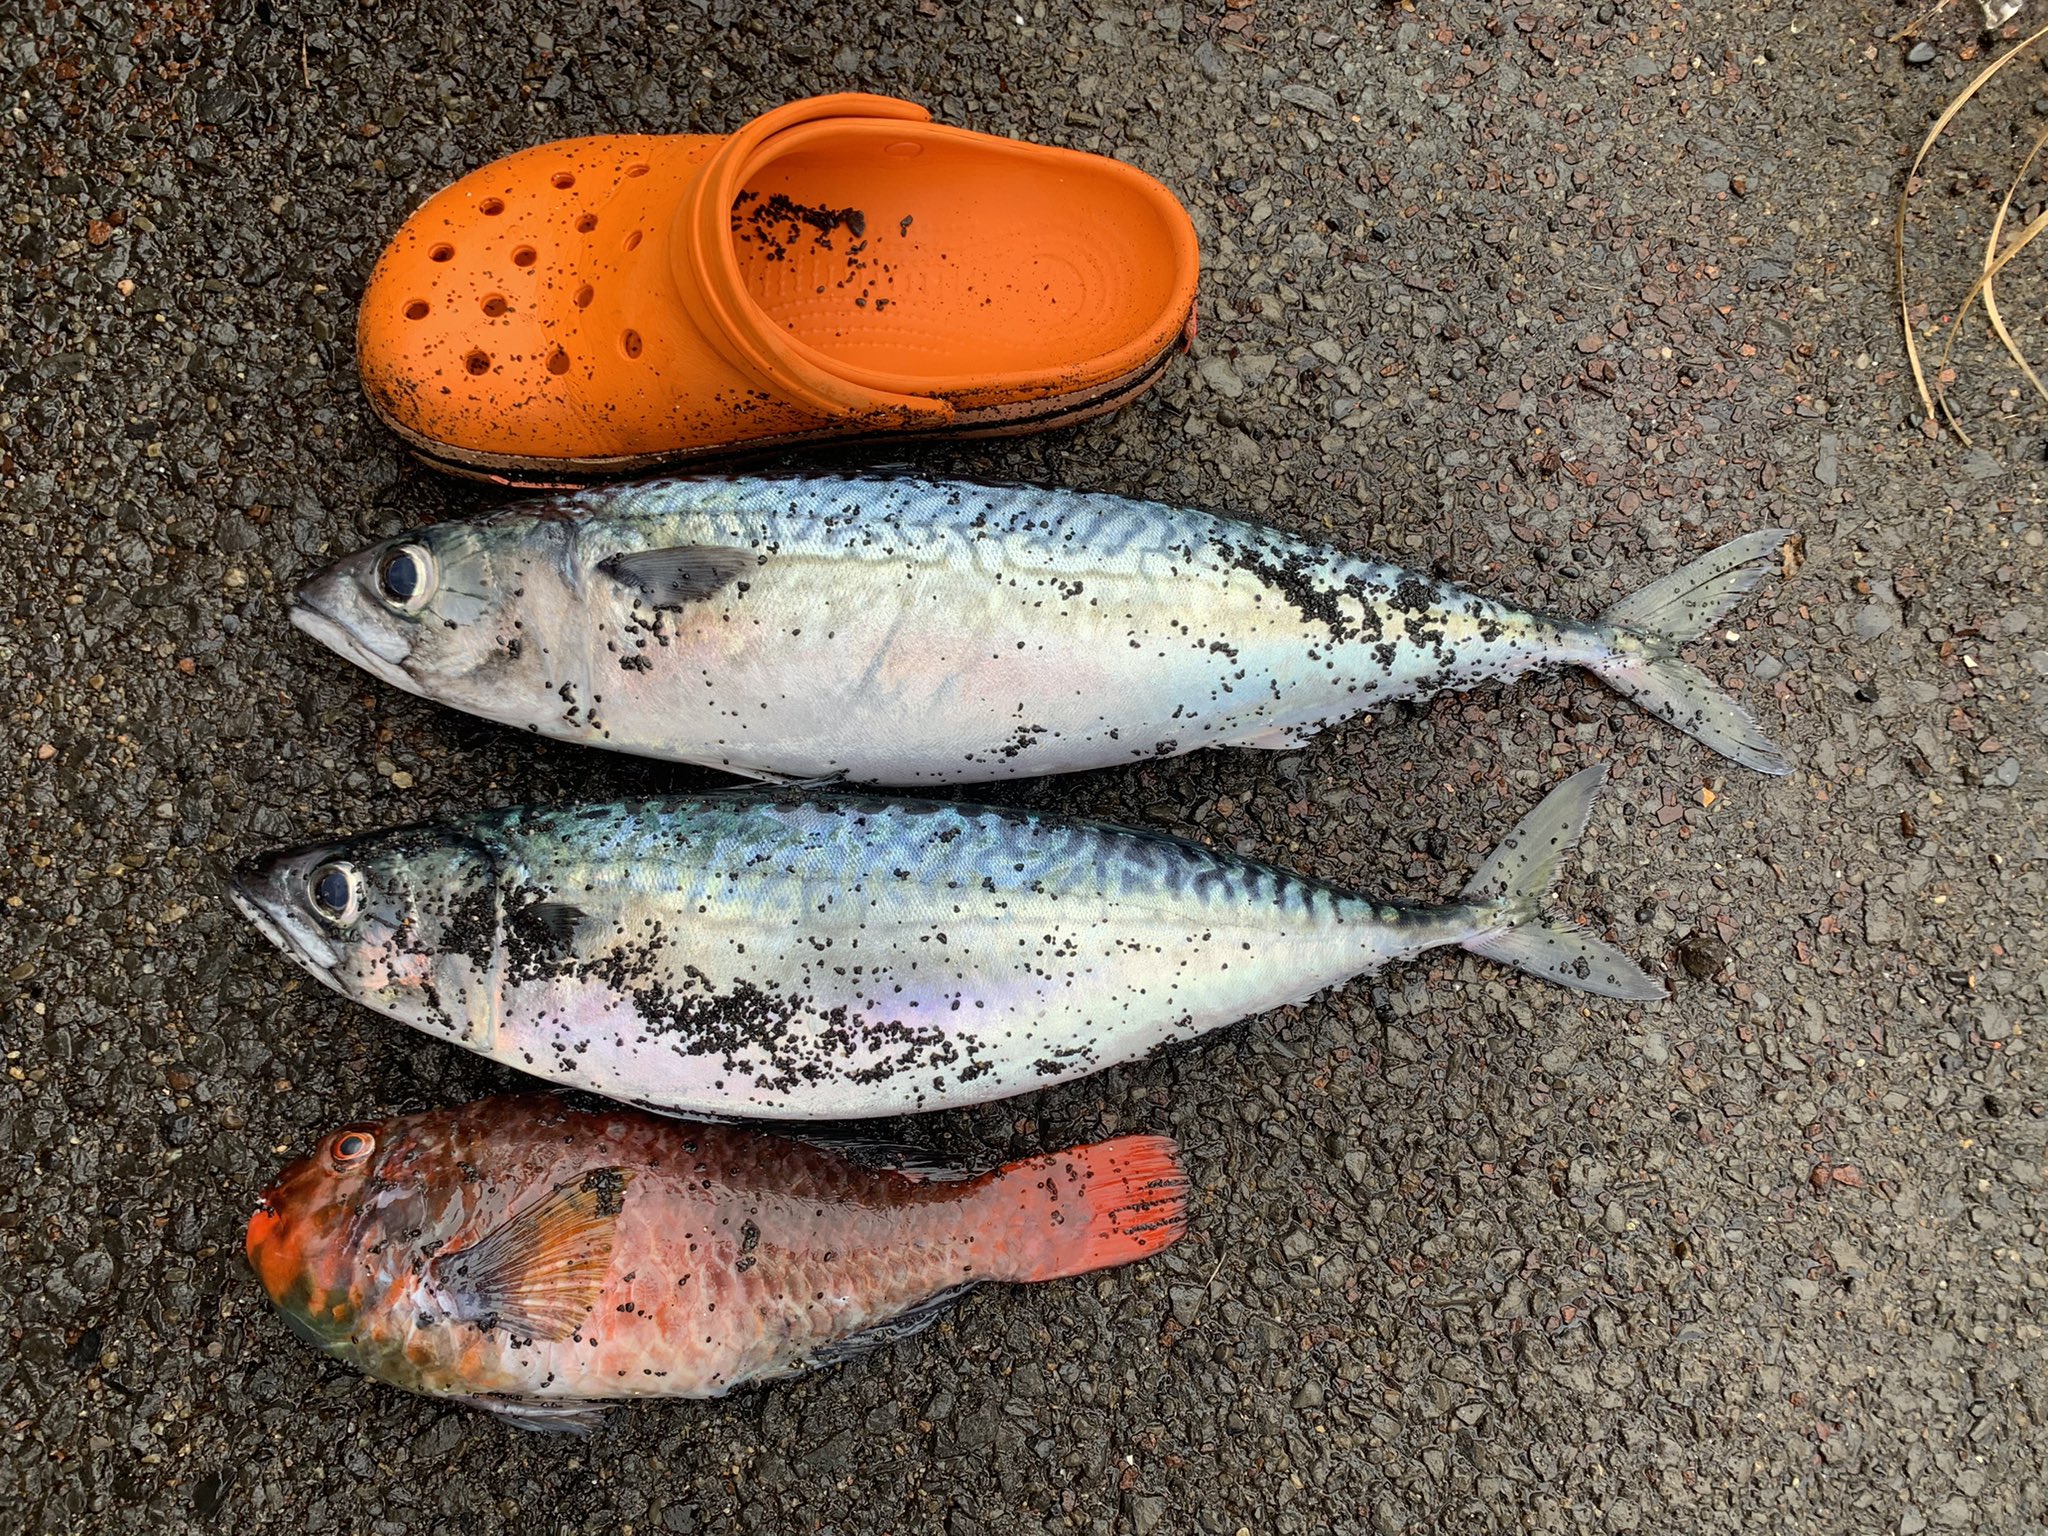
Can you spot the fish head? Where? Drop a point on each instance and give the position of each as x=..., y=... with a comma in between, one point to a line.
x=336, y=1240
x=443, y=611
x=306, y=1235
x=405, y=922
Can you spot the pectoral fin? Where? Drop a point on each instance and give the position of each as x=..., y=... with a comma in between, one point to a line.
x=681, y=574
x=539, y=1274
x=551, y=925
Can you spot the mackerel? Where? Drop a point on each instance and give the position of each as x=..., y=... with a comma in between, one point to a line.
x=819, y=957
x=921, y=632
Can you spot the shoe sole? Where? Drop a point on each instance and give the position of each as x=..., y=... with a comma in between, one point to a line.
x=519, y=473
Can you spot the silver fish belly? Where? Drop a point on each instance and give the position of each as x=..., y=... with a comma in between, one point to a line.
x=915, y=632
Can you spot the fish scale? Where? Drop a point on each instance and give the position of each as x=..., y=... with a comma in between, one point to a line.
x=911, y=631
x=816, y=957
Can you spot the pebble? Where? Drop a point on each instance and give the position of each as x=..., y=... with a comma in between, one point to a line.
x=1827, y=466
x=1702, y=955
x=1220, y=376
x=1313, y=97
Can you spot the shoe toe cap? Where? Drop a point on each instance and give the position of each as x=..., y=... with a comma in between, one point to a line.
x=511, y=315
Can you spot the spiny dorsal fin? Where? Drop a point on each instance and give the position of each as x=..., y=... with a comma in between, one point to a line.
x=683, y=573
x=540, y=1273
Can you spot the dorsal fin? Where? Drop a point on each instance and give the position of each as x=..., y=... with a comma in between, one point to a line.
x=917, y=1163
x=680, y=574
x=539, y=1274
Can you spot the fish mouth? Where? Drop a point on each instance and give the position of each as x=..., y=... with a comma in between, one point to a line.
x=381, y=655
x=257, y=891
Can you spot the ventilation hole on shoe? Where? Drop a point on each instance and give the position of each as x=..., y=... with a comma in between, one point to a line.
x=584, y=295
x=478, y=362
x=494, y=305
x=633, y=241
x=441, y=253
x=491, y=207
x=636, y=169
x=585, y=223
x=563, y=179
x=525, y=256
x=416, y=310
x=558, y=361
x=630, y=343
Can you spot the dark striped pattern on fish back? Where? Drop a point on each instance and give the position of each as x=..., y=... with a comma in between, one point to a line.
x=856, y=842
x=919, y=519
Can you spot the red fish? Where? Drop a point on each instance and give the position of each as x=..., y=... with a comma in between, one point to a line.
x=538, y=1260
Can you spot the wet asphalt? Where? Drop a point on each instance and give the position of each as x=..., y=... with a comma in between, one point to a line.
x=1543, y=299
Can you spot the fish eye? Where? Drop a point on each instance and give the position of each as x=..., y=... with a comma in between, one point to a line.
x=336, y=891
x=351, y=1148
x=405, y=577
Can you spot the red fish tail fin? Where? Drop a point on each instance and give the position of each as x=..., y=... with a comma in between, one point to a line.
x=1092, y=1207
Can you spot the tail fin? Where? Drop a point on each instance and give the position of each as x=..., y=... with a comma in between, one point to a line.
x=1668, y=613
x=1519, y=874
x=1091, y=1207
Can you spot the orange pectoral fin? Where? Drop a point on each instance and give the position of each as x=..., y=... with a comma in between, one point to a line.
x=540, y=1273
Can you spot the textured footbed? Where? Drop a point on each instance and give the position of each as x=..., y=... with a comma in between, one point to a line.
x=927, y=266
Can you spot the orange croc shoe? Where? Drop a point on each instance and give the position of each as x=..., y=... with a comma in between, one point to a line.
x=841, y=267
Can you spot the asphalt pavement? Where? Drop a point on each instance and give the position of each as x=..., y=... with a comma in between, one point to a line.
x=1545, y=300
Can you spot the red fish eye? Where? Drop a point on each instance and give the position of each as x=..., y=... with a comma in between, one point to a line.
x=352, y=1147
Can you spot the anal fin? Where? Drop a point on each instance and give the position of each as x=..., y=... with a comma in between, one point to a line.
x=543, y=1416
x=889, y=1330
x=832, y=780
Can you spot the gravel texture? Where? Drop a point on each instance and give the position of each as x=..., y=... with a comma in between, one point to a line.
x=1547, y=300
